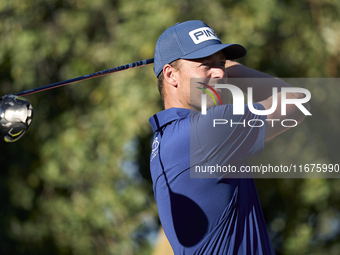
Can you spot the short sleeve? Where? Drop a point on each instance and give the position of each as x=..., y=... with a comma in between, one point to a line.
x=220, y=137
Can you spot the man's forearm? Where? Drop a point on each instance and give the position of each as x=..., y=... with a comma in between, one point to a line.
x=261, y=83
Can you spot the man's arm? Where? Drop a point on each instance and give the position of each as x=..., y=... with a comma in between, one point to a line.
x=262, y=93
x=261, y=83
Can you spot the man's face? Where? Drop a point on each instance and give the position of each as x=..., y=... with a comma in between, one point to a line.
x=208, y=69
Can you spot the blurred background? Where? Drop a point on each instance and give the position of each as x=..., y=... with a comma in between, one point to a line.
x=79, y=182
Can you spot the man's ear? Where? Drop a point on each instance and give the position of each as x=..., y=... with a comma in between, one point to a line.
x=169, y=74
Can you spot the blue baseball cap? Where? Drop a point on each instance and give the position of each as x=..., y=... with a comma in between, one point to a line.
x=191, y=40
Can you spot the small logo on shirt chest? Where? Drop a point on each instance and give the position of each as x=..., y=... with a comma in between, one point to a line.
x=155, y=146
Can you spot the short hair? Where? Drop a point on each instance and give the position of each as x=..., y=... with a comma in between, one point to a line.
x=160, y=81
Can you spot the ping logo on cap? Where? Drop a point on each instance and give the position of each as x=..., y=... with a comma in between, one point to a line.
x=203, y=34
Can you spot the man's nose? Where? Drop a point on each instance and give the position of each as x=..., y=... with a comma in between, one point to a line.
x=218, y=72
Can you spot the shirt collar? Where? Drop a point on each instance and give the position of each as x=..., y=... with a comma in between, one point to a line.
x=164, y=117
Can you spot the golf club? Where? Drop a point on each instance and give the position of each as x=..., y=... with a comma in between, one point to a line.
x=16, y=113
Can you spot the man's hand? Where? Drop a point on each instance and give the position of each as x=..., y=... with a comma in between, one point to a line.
x=262, y=85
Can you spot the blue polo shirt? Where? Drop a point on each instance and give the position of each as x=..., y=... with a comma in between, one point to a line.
x=208, y=215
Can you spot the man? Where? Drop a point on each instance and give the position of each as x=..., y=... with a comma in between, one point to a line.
x=208, y=215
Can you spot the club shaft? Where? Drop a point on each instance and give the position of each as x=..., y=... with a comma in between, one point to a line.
x=87, y=77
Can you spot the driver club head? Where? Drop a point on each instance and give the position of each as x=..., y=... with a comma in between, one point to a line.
x=16, y=114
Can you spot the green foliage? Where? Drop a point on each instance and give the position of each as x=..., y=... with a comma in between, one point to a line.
x=78, y=182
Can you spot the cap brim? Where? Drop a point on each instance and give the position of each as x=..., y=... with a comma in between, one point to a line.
x=232, y=51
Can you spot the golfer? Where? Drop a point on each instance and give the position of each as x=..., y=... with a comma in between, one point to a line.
x=208, y=215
